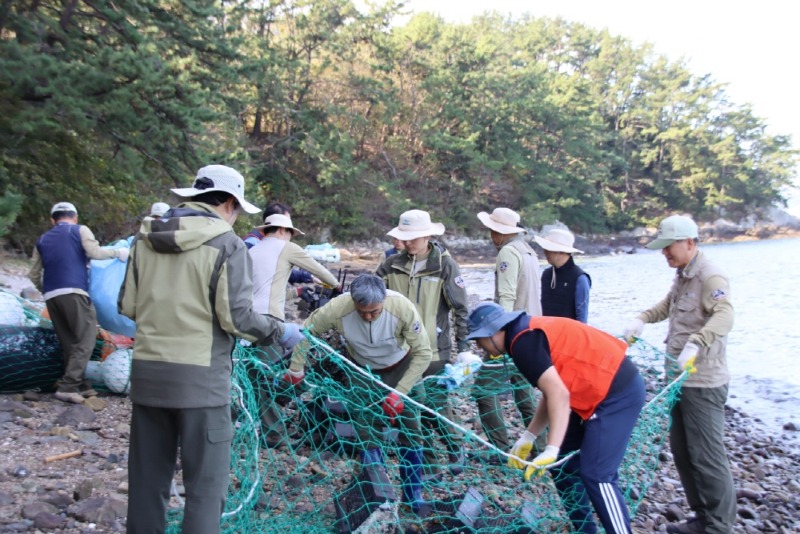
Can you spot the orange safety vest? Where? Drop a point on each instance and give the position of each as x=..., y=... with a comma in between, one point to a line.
x=586, y=359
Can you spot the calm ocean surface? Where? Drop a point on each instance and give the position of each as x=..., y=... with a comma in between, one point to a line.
x=764, y=345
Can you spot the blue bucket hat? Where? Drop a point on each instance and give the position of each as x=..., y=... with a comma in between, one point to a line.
x=487, y=318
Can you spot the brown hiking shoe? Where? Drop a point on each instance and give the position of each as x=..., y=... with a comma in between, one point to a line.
x=69, y=396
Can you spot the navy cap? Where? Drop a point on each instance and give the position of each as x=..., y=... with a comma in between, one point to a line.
x=488, y=318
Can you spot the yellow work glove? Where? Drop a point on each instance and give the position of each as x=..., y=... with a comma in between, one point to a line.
x=687, y=358
x=549, y=456
x=521, y=449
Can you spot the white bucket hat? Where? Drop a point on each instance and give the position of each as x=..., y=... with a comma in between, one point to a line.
x=502, y=221
x=281, y=221
x=158, y=209
x=224, y=179
x=558, y=240
x=414, y=224
x=63, y=206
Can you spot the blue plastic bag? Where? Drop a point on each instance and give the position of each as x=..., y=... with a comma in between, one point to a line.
x=456, y=373
x=324, y=252
x=105, y=281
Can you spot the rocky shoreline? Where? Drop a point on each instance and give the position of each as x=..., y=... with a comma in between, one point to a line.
x=471, y=251
x=64, y=469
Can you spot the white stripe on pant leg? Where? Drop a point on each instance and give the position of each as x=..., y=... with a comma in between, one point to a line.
x=612, y=505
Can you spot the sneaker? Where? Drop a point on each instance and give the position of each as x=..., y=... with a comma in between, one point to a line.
x=692, y=526
x=88, y=392
x=457, y=460
x=69, y=396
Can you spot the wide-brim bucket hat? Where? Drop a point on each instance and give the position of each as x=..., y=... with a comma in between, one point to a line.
x=281, y=221
x=502, y=221
x=488, y=318
x=414, y=224
x=224, y=179
x=558, y=240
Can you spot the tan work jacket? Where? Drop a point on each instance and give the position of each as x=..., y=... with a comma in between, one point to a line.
x=699, y=310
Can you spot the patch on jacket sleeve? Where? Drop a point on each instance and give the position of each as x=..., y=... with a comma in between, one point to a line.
x=718, y=294
x=416, y=327
x=503, y=266
x=459, y=281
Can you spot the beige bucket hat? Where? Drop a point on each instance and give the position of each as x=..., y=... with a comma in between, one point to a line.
x=502, y=221
x=224, y=179
x=281, y=221
x=558, y=240
x=414, y=224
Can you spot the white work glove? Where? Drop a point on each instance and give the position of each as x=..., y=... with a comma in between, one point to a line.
x=687, y=357
x=123, y=253
x=521, y=449
x=633, y=330
x=291, y=336
x=468, y=358
x=549, y=456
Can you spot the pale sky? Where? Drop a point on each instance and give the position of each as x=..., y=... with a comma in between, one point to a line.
x=751, y=46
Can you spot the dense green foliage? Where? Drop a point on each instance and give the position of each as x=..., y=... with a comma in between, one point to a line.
x=352, y=120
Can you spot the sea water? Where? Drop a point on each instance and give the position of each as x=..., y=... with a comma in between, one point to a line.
x=764, y=345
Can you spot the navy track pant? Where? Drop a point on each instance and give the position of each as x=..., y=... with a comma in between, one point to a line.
x=592, y=476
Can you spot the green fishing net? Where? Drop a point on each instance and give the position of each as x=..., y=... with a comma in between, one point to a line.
x=298, y=454
x=323, y=457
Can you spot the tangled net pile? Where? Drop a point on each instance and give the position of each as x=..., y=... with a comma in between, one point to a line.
x=31, y=358
x=315, y=482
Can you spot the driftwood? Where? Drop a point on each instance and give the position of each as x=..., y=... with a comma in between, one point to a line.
x=64, y=456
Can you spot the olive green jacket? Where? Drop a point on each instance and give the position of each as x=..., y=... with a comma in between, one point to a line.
x=436, y=290
x=188, y=288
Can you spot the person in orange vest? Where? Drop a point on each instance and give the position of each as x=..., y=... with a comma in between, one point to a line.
x=591, y=398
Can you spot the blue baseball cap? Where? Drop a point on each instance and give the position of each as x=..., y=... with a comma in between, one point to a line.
x=487, y=318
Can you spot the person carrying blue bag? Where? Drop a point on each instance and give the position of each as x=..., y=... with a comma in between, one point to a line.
x=105, y=281
x=60, y=272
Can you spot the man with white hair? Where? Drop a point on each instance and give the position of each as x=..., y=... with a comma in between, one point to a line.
x=188, y=287
x=383, y=332
x=516, y=289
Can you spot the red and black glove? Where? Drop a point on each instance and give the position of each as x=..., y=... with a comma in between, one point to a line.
x=393, y=406
x=293, y=377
